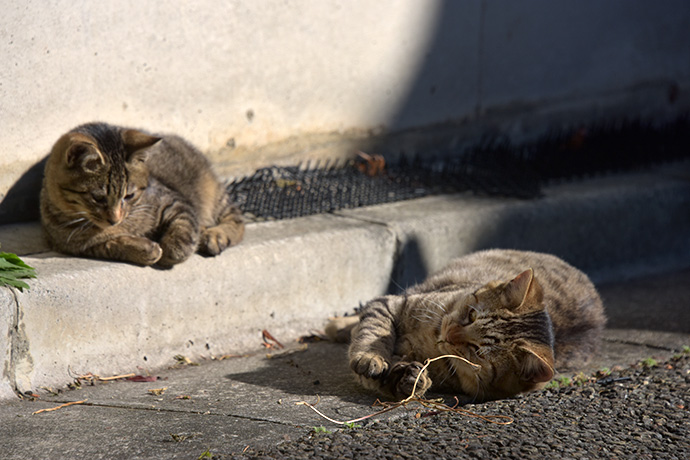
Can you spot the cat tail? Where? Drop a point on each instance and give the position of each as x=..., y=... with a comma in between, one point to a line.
x=340, y=328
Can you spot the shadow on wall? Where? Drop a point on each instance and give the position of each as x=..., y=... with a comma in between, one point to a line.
x=490, y=59
x=446, y=87
x=21, y=204
x=409, y=268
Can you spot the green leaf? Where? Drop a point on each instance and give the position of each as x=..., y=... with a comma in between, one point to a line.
x=206, y=454
x=13, y=259
x=21, y=285
x=12, y=269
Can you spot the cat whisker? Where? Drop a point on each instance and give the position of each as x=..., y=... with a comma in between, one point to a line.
x=72, y=222
x=80, y=229
x=142, y=210
x=72, y=233
x=430, y=313
x=427, y=317
x=448, y=374
x=476, y=310
x=480, y=389
x=433, y=303
x=144, y=206
x=486, y=350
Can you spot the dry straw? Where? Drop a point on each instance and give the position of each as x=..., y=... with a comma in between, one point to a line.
x=432, y=404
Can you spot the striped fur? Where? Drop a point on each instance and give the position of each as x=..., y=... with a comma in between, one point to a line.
x=517, y=314
x=123, y=194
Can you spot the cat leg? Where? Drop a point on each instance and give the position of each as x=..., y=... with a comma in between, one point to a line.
x=373, y=339
x=180, y=234
x=127, y=248
x=228, y=231
x=372, y=347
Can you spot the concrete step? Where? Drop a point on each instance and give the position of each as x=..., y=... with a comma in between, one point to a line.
x=289, y=276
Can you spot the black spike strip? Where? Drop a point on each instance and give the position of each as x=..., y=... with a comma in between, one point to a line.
x=492, y=167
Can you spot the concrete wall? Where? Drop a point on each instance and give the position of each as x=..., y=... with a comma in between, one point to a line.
x=267, y=81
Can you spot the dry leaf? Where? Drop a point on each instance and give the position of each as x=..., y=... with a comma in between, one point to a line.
x=157, y=391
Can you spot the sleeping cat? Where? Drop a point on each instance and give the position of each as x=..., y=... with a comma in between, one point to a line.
x=123, y=194
x=516, y=314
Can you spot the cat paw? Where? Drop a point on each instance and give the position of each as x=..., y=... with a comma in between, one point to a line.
x=153, y=254
x=369, y=365
x=173, y=256
x=402, y=377
x=214, y=241
x=140, y=251
x=177, y=247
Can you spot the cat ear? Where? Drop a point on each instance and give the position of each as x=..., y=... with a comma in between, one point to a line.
x=517, y=288
x=537, y=365
x=524, y=288
x=135, y=141
x=82, y=152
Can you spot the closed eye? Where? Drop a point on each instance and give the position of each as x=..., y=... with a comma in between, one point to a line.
x=99, y=199
x=71, y=190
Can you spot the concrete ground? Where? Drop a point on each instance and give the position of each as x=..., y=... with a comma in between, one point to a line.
x=85, y=317
x=225, y=405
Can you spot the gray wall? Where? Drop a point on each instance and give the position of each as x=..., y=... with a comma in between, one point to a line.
x=266, y=81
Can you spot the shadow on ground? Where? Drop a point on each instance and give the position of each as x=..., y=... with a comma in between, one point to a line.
x=320, y=369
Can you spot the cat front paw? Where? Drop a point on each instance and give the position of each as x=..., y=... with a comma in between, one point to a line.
x=402, y=377
x=152, y=254
x=145, y=253
x=134, y=249
x=368, y=364
x=214, y=241
x=174, y=255
x=177, y=247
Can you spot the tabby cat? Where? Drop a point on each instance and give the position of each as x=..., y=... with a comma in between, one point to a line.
x=123, y=194
x=518, y=315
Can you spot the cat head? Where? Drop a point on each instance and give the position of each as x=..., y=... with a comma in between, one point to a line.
x=504, y=328
x=98, y=171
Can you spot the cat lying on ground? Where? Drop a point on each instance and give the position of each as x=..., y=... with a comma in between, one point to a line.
x=517, y=315
x=123, y=194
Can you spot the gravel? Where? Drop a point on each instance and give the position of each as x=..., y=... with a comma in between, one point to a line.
x=638, y=412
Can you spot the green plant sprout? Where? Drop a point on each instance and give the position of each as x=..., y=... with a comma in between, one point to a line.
x=559, y=382
x=13, y=269
x=649, y=362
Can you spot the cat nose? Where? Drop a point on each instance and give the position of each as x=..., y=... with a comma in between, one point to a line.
x=456, y=335
x=114, y=216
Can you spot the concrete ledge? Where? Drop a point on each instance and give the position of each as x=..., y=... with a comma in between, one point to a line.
x=610, y=227
x=85, y=315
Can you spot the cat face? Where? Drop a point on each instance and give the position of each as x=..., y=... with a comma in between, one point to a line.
x=504, y=328
x=101, y=172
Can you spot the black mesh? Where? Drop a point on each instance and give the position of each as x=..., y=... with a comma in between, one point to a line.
x=492, y=167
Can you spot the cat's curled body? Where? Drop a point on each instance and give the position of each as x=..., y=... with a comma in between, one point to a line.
x=123, y=194
x=516, y=314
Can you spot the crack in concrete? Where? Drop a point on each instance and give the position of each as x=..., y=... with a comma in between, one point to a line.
x=9, y=372
x=20, y=362
x=175, y=411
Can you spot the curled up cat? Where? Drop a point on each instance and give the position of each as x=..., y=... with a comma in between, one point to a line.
x=123, y=194
x=517, y=315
